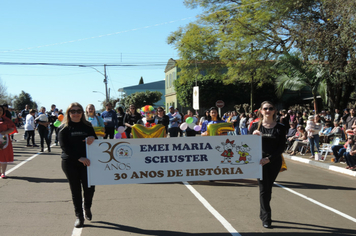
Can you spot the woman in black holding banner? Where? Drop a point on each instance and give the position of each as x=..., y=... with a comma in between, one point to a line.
x=74, y=134
x=273, y=145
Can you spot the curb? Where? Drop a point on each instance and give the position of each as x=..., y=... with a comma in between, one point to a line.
x=321, y=165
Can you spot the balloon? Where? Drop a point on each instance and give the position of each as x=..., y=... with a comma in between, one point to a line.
x=197, y=128
x=57, y=123
x=219, y=128
x=117, y=136
x=115, y=131
x=60, y=117
x=189, y=120
x=123, y=135
x=191, y=125
x=184, y=126
x=121, y=129
x=140, y=131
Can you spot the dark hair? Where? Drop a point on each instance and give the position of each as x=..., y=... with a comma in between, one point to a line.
x=217, y=117
x=120, y=110
x=67, y=116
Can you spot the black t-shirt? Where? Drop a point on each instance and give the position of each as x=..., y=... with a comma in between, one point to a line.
x=71, y=139
x=273, y=140
x=120, y=119
x=131, y=119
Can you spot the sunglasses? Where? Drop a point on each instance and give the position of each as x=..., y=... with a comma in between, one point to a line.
x=268, y=108
x=159, y=110
x=76, y=111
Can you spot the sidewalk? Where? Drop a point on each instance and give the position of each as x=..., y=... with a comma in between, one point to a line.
x=327, y=164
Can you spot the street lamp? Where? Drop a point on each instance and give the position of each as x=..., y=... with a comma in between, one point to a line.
x=105, y=81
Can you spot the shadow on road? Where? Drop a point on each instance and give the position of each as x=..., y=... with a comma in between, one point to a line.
x=39, y=180
x=289, y=226
x=297, y=185
x=113, y=226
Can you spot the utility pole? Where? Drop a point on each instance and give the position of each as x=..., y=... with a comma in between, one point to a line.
x=252, y=85
x=106, y=84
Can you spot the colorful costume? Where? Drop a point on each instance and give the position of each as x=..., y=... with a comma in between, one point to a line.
x=7, y=154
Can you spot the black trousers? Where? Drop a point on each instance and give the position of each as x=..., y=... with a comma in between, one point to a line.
x=270, y=172
x=109, y=131
x=43, y=131
x=76, y=174
x=30, y=135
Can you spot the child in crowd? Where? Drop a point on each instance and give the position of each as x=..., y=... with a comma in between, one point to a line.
x=310, y=126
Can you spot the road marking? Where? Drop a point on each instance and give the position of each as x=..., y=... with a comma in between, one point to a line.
x=318, y=203
x=77, y=231
x=217, y=215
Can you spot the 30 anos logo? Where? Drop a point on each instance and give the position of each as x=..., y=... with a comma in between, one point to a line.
x=117, y=151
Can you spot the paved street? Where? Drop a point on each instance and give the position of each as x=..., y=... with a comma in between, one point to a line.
x=309, y=200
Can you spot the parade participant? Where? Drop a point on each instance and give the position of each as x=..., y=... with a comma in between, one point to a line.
x=174, y=120
x=74, y=134
x=30, y=128
x=96, y=121
x=52, y=117
x=161, y=118
x=213, y=118
x=132, y=117
x=273, y=145
x=42, y=120
x=120, y=116
x=110, y=121
x=6, y=152
x=204, y=117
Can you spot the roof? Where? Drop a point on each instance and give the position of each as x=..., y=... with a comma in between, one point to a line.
x=148, y=86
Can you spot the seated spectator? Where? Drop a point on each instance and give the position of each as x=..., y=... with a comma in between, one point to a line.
x=339, y=150
x=350, y=154
x=299, y=142
x=336, y=131
x=324, y=132
x=292, y=133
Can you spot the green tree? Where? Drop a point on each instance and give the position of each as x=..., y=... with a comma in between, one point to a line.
x=295, y=74
x=140, y=99
x=24, y=99
x=246, y=35
x=141, y=81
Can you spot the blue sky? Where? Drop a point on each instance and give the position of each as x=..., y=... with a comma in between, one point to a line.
x=90, y=32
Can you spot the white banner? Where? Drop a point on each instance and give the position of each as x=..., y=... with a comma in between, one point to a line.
x=155, y=160
x=196, y=97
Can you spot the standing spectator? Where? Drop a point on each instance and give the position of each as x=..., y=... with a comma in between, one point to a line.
x=337, y=115
x=174, y=120
x=236, y=121
x=273, y=145
x=305, y=118
x=120, y=117
x=74, y=134
x=110, y=121
x=42, y=120
x=6, y=152
x=132, y=117
x=243, y=125
x=299, y=118
x=189, y=131
x=349, y=121
x=180, y=122
x=51, y=119
x=292, y=116
x=30, y=128
x=291, y=134
x=314, y=139
x=284, y=119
